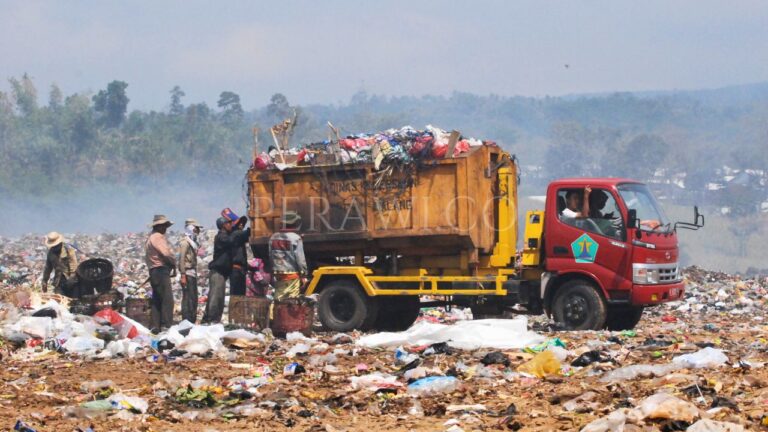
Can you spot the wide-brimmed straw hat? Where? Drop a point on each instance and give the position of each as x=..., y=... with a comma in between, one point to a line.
x=192, y=221
x=160, y=220
x=53, y=238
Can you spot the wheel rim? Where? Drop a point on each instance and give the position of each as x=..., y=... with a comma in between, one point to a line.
x=342, y=306
x=575, y=310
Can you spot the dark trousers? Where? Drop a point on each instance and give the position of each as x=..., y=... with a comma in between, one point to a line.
x=189, y=300
x=161, y=307
x=69, y=287
x=214, y=307
x=237, y=282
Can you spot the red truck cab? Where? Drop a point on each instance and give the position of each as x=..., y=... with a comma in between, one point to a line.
x=605, y=261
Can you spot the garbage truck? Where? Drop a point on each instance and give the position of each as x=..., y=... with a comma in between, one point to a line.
x=383, y=243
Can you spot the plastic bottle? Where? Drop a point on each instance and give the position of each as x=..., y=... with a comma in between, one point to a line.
x=416, y=410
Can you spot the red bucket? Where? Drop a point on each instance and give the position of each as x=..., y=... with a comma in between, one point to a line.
x=292, y=317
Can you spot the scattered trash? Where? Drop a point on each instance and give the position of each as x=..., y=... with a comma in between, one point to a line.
x=705, y=358
x=590, y=357
x=705, y=370
x=707, y=425
x=496, y=357
x=22, y=427
x=467, y=335
x=293, y=369
x=433, y=385
x=543, y=364
x=374, y=382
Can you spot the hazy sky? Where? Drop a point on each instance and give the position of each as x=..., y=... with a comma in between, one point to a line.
x=324, y=51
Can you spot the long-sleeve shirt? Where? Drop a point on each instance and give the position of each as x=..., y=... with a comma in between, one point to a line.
x=222, y=253
x=239, y=253
x=159, y=253
x=286, y=253
x=63, y=264
x=187, y=258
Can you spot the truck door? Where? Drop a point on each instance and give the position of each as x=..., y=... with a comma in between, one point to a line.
x=595, y=244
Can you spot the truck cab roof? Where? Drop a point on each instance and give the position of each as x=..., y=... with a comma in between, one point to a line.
x=593, y=181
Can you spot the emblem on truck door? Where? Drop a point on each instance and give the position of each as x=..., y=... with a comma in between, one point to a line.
x=584, y=249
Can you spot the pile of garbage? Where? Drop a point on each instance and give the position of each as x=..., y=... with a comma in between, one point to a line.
x=697, y=364
x=22, y=260
x=402, y=146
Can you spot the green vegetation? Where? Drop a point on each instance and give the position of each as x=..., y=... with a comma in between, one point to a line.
x=81, y=139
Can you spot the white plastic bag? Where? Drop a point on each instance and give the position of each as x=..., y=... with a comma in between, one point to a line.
x=83, y=345
x=707, y=425
x=39, y=327
x=706, y=358
x=469, y=335
x=666, y=406
x=433, y=385
x=374, y=381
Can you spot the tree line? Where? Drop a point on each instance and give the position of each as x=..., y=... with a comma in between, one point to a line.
x=74, y=140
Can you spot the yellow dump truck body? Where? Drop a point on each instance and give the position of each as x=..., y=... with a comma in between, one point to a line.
x=441, y=215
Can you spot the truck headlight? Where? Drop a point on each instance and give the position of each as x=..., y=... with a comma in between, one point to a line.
x=645, y=275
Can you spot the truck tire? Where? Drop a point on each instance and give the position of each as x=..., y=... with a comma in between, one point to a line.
x=578, y=306
x=344, y=306
x=623, y=317
x=397, y=313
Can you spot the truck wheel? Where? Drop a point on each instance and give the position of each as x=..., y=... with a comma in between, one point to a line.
x=397, y=313
x=623, y=318
x=343, y=306
x=578, y=306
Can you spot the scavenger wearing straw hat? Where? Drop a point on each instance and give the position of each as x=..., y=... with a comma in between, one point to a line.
x=191, y=221
x=160, y=220
x=53, y=239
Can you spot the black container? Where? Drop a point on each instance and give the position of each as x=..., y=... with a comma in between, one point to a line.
x=82, y=305
x=95, y=274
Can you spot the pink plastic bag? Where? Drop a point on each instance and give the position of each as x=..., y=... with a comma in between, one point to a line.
x=461, y=147
x=257, y=280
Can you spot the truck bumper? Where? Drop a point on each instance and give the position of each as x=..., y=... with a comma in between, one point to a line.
x=646, y=295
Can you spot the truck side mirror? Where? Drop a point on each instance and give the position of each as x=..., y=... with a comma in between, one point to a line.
x=634, y=222
x=697, y=217
x=698, y=221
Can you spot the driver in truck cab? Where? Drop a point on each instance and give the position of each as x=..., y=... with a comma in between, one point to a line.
x=576, y=204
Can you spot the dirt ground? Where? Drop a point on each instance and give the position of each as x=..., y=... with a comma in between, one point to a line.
x=44, y=390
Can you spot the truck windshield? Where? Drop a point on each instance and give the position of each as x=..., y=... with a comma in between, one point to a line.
x=639, y=197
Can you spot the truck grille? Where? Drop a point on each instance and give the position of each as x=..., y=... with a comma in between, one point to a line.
x=652, y=274
x=667, y=275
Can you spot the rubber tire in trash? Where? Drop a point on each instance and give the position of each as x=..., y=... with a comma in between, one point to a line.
x=623, y=317
x=344, y=306
x=578, y=306
x=397, y=313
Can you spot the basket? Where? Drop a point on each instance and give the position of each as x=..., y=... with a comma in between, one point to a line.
x=109, y=300
x=292, y=317
x=95, y=274
x=138, y=310
x=249, y=312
